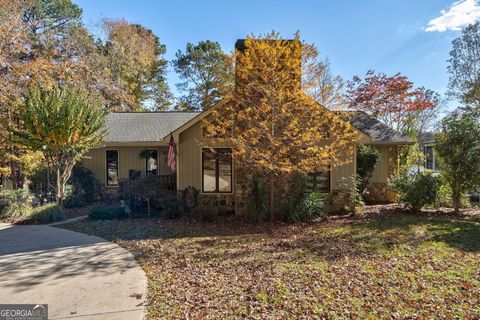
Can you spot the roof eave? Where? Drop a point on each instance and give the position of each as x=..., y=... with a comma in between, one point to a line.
x=158, y=143
x=406, y=142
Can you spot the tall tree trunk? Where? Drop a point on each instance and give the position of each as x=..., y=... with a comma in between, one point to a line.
x=13, y=175
x=47, y=187
x=271, y=197
x=60, y=187
x=456, y=199
x=49, y=184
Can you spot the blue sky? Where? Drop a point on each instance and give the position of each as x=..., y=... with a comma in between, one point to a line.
x=408, y=36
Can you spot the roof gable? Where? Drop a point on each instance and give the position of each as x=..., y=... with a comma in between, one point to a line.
x=125, y=127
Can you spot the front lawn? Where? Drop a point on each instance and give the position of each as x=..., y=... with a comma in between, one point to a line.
x=390, y=265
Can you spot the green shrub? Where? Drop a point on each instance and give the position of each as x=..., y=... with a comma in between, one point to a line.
x=82, y=188
x=171, y=209
x=258, y=201
x=457, y=148
x=47, y=213
x=310, y=207
x=350, y=194
x=189, y=199
x=209, y=215
x=303, y=204
x=108, y=213
x=356, y=199
x=206, y=212
x=15, y=204
x=84, y=183
x=415, y=191
x=74, y=202
x=444, y=198
x=367, y=159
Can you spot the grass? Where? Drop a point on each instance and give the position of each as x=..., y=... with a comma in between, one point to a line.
x=390, y=265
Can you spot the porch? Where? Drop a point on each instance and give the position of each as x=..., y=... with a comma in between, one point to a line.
x=115, y=164
x=157, y=192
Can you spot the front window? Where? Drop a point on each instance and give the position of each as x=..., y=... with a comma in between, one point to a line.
x=429, y=162
x=217, y=170
x=319, y=181
x=112, y=167
x=152, y=163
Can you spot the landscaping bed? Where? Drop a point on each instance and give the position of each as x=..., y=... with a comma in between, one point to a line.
x=388, y=264
x=79, y=211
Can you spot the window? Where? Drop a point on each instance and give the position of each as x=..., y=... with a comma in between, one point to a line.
x=325, y=131
x=319, y=181
x=151, y=163
x=217, y=170
x=429, y=160
x=112, y=167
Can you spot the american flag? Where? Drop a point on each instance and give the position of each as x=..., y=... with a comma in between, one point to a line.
x=171, y=162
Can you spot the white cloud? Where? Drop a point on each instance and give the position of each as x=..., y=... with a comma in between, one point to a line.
x=460, y=14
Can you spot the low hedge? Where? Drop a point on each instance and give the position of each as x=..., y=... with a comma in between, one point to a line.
x=108, y=213
x=47, y=213
x=15, y=204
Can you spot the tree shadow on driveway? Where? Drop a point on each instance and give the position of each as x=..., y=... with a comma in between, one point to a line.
x=39, y=255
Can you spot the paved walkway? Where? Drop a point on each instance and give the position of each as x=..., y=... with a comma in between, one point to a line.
x=68, y=221
x=78, y=276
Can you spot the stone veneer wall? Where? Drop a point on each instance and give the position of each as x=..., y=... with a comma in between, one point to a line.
x=379, y=193
x=338, y=202
x=284, y=186
x=243, y=181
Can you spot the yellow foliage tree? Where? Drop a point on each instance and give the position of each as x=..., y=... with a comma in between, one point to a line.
x=26, y=58
x=274, y=127
x=43, y=42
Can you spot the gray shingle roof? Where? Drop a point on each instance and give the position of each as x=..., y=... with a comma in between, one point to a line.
x=376, y=129
x=144, y=126
x=126, y=127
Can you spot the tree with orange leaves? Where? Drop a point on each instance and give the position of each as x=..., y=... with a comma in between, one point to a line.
x=43, y=42
x=392, y=99
x=395, y=101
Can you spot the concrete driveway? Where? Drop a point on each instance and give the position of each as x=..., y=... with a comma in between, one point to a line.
x=78, y=276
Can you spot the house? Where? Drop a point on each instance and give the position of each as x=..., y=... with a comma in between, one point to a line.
x=137, y=146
